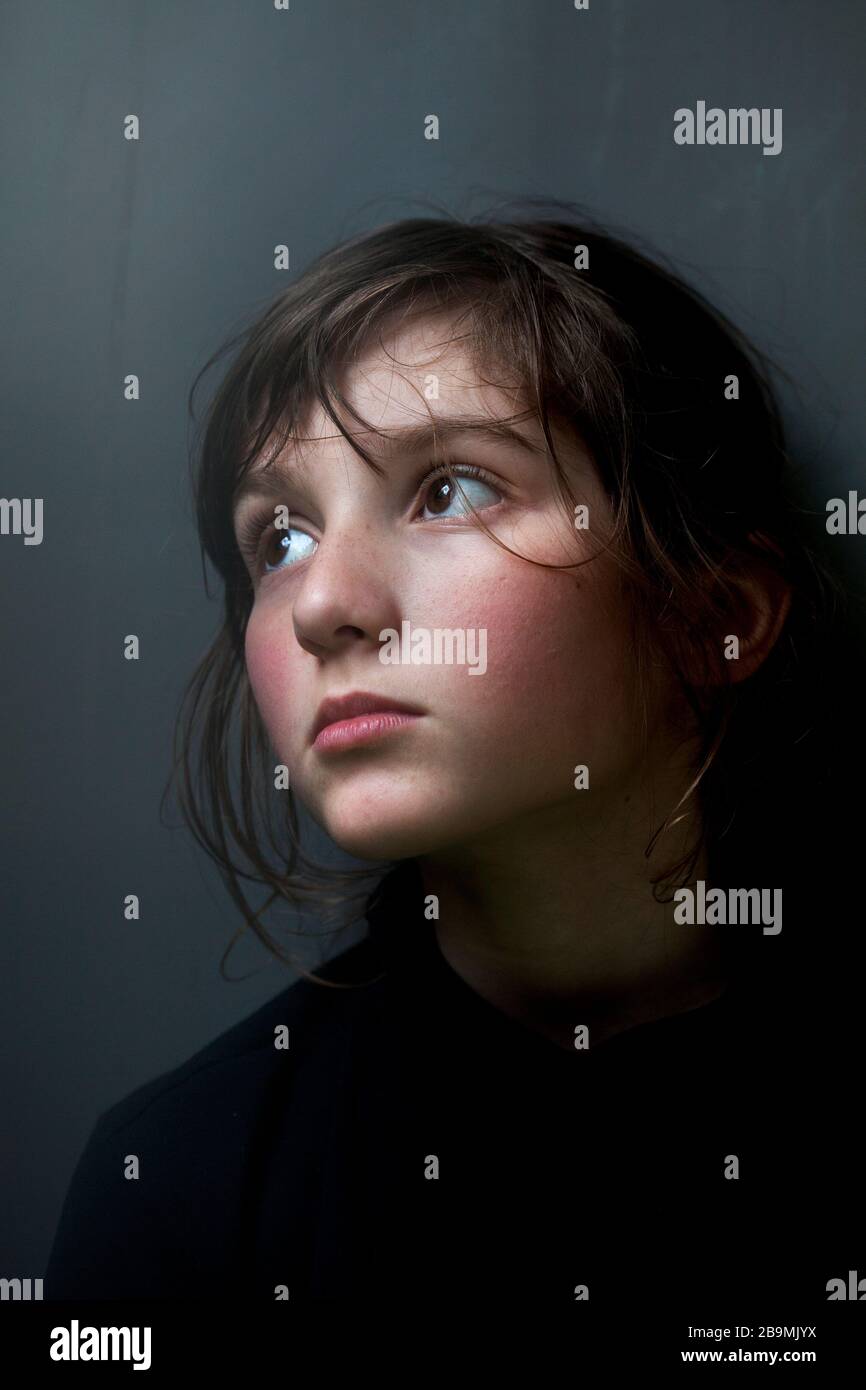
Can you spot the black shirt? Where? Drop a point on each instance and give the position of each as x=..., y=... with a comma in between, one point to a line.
x=414, y=1143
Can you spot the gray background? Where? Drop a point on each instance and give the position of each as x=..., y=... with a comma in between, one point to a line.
x=261, y=127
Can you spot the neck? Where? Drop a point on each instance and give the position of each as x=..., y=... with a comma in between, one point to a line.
x=555, y=923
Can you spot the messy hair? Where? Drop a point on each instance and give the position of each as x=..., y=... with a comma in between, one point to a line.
x=678, y=412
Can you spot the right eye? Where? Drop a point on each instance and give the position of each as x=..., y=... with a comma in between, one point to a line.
x=292, y=545
x=260, y=541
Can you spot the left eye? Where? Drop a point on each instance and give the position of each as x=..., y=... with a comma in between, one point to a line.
x=444, y=495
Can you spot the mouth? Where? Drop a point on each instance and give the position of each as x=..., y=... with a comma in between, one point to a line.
x=350, y=720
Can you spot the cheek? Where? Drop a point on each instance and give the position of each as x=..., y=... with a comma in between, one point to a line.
x=557, y=645
x=558, y=690
x=270, y=668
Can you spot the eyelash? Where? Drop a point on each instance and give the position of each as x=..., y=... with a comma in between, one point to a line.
x=253, y=529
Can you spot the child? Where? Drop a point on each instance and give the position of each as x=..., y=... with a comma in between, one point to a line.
x=519, y=611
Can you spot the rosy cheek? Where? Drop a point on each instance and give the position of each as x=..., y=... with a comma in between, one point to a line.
x=552, y=644
x=267, y=654
x=509, y=619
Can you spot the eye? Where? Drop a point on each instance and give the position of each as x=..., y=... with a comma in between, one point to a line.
x=261, y=541
x=291, y=546
x=446, y=498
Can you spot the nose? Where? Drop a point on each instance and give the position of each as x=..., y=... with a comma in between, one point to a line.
x=347, y=595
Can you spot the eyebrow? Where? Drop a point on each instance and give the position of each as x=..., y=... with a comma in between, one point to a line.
x=269, y=481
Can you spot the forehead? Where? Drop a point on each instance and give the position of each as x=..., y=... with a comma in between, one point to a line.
x=418, y=384
x=428, y=365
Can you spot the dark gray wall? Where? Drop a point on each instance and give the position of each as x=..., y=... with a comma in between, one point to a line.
x=261, y=127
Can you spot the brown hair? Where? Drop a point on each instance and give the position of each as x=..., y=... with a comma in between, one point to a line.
x=633, y=360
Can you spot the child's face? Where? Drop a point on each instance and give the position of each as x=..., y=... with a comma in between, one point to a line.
x=492, y=746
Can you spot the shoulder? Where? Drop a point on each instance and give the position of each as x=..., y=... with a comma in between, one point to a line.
x=164, y=1168
x=299, y=1026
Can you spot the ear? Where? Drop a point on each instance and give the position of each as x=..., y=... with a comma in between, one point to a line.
x=760, y=601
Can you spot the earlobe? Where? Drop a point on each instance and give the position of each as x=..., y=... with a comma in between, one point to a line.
x=760, y=604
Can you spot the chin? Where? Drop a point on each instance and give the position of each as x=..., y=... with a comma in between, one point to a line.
x=389, y=827
x=384, y=838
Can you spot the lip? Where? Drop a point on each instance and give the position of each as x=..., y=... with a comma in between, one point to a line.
x=359, y=717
